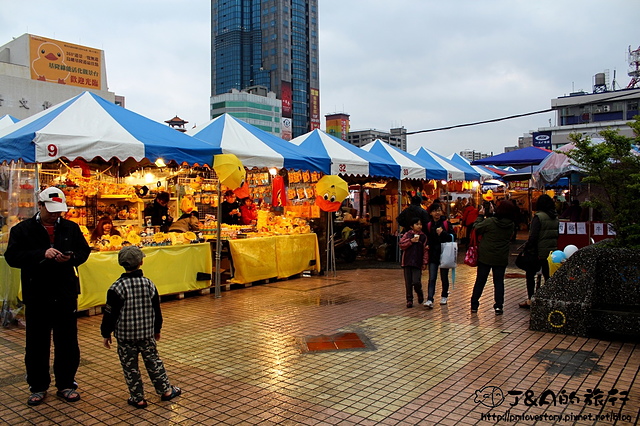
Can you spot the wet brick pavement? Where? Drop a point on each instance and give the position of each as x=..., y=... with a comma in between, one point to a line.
x=243, y=359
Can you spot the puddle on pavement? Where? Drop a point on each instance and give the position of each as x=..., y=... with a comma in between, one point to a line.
x=325, y=300
x=568, y=362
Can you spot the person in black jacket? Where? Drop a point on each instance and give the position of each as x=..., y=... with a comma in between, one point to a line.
x=438, y=230
x=48, y=249
x=159, y=211
x=412, y=210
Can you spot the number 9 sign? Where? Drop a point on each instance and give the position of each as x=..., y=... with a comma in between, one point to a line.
x=52, y=150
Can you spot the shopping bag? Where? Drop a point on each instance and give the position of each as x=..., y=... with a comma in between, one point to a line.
x=449, y=254
x=553, y=266
x=471, y=257
x=527, y=261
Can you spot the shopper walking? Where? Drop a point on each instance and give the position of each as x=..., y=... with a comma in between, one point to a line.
x=494, y=234
x=439, y=230
x=415, y=258
x=543, y=239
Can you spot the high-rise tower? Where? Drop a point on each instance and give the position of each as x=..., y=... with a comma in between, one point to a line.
x=271, y=43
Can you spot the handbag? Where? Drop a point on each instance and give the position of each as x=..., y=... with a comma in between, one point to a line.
x=527, y=261
x=449, y=254
x=471, y=257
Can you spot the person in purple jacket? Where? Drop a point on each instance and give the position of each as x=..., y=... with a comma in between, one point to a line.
x=415, y=258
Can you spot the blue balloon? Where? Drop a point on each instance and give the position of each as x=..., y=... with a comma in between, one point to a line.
x=558, y=256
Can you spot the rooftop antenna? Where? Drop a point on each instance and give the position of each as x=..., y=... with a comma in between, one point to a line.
x=634, y=68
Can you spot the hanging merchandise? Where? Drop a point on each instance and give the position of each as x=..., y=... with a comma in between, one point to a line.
x=279, y=192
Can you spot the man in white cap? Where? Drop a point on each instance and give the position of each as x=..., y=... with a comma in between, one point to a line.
x=48, y=249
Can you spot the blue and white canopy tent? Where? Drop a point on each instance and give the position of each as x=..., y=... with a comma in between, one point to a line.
x=256, y=147
x=410, y=166
x=529, y=156
x=464, y=164
x=88, y=126
x=7, y=120
x=346, y=159
x=441, y=168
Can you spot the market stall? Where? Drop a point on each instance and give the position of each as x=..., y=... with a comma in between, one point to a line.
x=49, y=148
x=101, y=270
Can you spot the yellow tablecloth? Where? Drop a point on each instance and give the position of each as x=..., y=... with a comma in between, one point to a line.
x=9, y=283
x=172, y=269
x=274, y=257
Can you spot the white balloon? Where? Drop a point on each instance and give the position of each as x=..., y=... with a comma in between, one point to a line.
x=569, y=250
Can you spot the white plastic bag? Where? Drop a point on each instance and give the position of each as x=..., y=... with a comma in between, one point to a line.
x=449, y=254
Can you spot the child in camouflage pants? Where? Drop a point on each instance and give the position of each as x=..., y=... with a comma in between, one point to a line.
x=133, y=315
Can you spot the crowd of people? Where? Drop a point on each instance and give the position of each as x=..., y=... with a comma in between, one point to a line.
x=423, y=232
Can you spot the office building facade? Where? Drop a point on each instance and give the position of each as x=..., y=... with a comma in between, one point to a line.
x=395, y=137
x=253, y=105
x=269, y=43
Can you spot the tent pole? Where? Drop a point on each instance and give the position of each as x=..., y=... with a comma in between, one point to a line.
x=398, y=229
x=218, y=242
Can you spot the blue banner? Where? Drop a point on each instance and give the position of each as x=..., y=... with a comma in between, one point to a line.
x=542, y=139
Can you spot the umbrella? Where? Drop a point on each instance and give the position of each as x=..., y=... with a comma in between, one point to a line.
x=346, y=159
x=519, y=157
x=410, y=167
x=230, y=170
x=88, y=126
x=331, y=190
x=7, y=120
x=440, y=168
x=257, y=148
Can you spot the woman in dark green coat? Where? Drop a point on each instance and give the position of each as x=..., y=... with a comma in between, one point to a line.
x=494, y=234
x=543, y=239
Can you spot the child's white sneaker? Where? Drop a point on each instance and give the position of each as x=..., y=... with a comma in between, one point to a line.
x=429, y=304
x=443, y=301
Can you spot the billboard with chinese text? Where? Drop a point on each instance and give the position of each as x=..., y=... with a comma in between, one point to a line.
x=65, y=63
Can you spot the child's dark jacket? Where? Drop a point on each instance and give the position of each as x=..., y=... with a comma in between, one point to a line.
x=414, y=254
x=132, y=311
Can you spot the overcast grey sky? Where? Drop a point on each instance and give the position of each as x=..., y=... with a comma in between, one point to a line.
x=420, y=64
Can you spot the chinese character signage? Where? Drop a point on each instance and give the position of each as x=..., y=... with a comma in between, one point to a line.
x=315, y=109
x=542, y=139
x=60, y=62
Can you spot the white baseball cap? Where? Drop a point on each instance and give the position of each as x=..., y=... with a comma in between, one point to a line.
x=53, y=199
